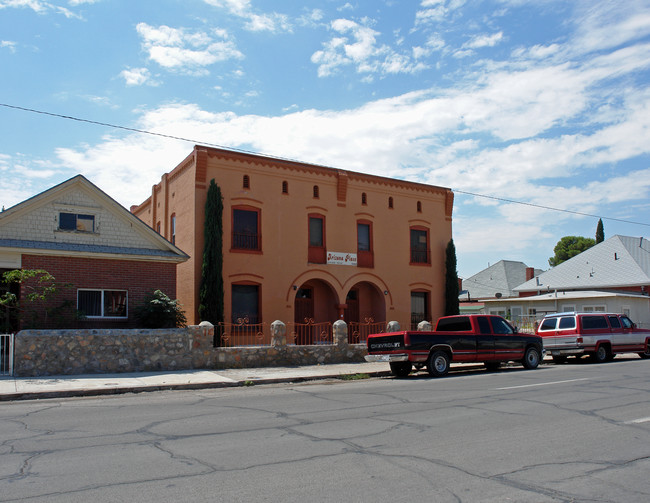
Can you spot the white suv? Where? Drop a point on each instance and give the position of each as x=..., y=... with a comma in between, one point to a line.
x=599, y=335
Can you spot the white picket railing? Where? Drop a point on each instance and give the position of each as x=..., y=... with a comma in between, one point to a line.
x=6, y=354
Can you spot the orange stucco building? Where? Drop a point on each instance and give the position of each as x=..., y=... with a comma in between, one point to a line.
x=306, y=241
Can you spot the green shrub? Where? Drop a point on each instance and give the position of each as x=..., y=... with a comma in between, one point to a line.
x=159, y=311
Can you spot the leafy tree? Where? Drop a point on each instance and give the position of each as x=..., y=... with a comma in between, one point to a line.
x=569, y=246
x=451, y=280
x=39, y=288
x=159, y=311
x=211, y=289
x=600, y=232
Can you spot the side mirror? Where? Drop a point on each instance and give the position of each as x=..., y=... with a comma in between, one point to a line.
x=515, y=330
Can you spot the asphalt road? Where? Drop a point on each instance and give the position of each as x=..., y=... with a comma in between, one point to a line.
x=574, y=432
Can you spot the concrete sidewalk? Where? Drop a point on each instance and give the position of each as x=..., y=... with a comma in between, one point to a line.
x=30, y=388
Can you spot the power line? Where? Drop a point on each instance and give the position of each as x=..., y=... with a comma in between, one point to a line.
x=189, y=140
x=549, y=207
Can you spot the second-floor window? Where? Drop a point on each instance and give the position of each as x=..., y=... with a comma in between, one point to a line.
x=246, y=229
x=364, y=244
x=420, y=253
x=173, y=229
x=316, y=252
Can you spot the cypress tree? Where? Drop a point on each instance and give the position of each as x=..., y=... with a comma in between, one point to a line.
x=451, y=281
x=211, y=289
x=600, y=232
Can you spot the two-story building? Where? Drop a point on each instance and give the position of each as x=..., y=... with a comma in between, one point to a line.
x=302, y=241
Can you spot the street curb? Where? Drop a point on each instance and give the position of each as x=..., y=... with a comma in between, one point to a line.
x=38, y=395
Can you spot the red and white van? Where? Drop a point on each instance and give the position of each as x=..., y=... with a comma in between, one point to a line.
x=599, y=335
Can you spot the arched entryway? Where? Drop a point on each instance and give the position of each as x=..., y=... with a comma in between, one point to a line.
x=365, y=311
x=315, y=306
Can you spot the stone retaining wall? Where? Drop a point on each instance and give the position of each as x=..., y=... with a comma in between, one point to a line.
x=70, y=352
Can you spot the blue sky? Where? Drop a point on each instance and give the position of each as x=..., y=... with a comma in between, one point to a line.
x=545, y=102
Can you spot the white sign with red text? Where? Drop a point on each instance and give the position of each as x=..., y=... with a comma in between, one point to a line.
x=338, y=258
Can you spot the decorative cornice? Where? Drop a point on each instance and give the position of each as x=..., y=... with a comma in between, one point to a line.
x=321, y=170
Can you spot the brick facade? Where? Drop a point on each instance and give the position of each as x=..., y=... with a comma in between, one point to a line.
x=137, y=278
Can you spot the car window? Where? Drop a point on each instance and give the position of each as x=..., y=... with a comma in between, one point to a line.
x=500, y=326
x=613, y=322
x=548, y=324
x=484, y=325
x=567, y=322
x=627, y=322
x=591, y=322
x=454, y=324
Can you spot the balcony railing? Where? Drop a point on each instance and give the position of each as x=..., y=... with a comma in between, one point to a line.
x=419, y=256
x=245, y=241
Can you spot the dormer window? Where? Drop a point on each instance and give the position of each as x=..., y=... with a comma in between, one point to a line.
x=76, y=222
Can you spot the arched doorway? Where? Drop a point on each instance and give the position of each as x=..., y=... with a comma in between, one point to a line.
x=365, y=312
x=315, y=309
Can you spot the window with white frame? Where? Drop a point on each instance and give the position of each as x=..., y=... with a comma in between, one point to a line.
x=593, y=309
x=102, y=303
x=626, y=310
x=568, y=308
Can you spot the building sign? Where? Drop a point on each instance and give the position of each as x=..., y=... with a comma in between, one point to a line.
x=338, y=258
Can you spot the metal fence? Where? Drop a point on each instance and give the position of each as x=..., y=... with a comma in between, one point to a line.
x=309, y=332
x=358, y=331
x=242, y=333
x=6, y=354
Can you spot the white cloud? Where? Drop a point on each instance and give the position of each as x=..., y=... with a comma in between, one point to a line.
x=187, y=52
x=38, y=6
x=479, y=41
x=273, y=22
x=136, y=76
x=356, y=45
x=7, y=44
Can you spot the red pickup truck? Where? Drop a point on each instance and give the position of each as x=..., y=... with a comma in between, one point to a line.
x=472, y=338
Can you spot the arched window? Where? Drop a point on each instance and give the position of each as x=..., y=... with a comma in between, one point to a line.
x=419, y=207
x=364, y=199
x=390, y=203
x=285, y=187
x=247, y=182
x=316, y=194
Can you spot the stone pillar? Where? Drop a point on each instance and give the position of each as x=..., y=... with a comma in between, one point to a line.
x=278, y=334
x=340, y=333
x=393, y=326
x=425, y=326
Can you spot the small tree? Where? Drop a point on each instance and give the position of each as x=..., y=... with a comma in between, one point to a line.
x=159, y=311
x=569, y=246
x=451, y=281
x=600, y=231
x=32, y=310
x=211, y=289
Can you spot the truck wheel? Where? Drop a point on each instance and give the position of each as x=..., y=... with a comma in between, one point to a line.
x=645, y=355
x=601, y=355
x=531, y=358
x=400, y=369
x=438, y=364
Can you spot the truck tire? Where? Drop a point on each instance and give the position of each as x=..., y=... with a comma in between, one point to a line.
x=400, y=369
x=531, y=358
x=601, y=355
x=438, y=364
x=644, y=355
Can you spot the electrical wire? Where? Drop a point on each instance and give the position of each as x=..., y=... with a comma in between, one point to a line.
x=180, y=138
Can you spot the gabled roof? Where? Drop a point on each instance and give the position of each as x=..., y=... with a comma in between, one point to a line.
x=569, y=296
x=31, y=227
x=498, y=280
x=618, y=262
